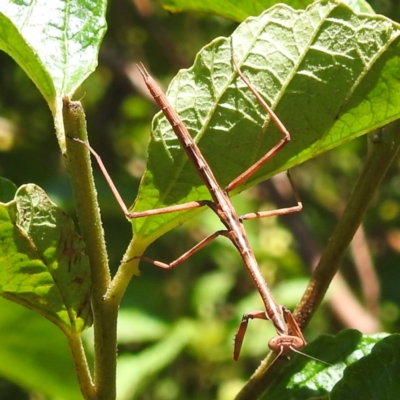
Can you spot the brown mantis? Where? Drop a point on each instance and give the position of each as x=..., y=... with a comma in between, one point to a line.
x=289, y=335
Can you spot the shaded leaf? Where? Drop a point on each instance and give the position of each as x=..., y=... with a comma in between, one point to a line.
x=7, y=190
x=239, y=10
x=304, y=378
x=42, y=264
x=374, y=376
x=236, y=10
x=330, y=75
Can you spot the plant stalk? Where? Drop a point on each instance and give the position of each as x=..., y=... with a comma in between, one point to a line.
x=82, y=369
x=104, y=313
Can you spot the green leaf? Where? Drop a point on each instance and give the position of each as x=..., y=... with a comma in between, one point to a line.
x=236, y=10
x=54, y=41
x=35, y=355
x=42, y=263
x=303, y=378
x=7, y=190
x=330, y=75
x=375, y=376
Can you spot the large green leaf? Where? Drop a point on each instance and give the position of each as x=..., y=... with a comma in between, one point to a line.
x=304, y=378
x=42, y=264
x=330, y=75
x=55, y=41
x=375, y=376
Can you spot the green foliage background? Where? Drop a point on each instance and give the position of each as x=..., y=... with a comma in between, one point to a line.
x=176, y=328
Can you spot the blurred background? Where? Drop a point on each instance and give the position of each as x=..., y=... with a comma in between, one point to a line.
x=176, y=327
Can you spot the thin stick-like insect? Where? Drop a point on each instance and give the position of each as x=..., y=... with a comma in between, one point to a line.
x=289, y=336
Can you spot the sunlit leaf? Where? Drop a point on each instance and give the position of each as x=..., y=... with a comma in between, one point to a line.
x=54, y=41
x=330, y=75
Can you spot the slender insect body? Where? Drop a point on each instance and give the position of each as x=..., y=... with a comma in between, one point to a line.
x=175, y=122
x=272, y=309
x=187, y=142
x=235, y=231
x=221, y=204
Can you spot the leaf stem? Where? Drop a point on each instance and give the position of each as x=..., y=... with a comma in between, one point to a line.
x=81, y=365
x=381, y=155
x=104, y=313
x=128, y=268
